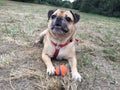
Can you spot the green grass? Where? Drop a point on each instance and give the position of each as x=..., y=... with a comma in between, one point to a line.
x=102, y=31
x=2, y=3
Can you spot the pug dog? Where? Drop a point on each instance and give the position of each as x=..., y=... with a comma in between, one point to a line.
x=59, y=40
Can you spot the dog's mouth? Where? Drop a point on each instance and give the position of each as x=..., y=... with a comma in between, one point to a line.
x=59, y=29
x=59, y=26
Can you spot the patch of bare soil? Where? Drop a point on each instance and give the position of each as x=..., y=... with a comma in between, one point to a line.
x=22, y=69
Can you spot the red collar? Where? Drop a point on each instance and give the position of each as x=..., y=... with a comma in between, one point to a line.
x=61, y=45
x=57, y=47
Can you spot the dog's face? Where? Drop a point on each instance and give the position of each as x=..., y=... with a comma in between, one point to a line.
x=62, y=22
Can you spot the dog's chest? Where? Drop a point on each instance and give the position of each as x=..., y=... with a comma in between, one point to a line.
x=61, y=54
x=61, y=51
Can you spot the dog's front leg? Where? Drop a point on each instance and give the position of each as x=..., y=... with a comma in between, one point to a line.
x=48, y=63
x=73, y=65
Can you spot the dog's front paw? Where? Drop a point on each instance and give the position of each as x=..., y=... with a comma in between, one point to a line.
x=76, y=76
x=51, y=70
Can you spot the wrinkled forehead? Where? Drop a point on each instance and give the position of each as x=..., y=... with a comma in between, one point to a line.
x=63, y=13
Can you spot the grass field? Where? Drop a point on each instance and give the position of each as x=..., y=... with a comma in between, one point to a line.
x=21, y=67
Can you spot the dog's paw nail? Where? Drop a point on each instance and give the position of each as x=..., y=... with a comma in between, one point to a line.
x=51, y=71
x=76, y=76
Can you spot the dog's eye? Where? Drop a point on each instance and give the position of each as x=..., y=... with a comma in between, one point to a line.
x=68, y=19
x=53, y=16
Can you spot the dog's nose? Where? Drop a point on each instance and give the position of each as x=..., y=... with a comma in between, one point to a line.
x=58, y=21
x=59, y=18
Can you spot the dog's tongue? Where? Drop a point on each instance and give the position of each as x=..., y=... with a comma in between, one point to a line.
x=58, y=27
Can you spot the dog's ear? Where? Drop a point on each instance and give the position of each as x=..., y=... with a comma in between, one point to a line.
x=76, y=17
x=50, y=12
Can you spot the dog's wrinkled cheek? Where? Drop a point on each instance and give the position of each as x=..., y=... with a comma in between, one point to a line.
x=64, y=24
x=53, y=22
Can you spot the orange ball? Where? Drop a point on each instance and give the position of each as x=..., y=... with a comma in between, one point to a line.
x=61, y=70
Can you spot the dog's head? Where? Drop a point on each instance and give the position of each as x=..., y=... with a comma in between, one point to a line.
x=62, y=22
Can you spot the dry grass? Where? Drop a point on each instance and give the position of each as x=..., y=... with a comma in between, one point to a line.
x=21, y=67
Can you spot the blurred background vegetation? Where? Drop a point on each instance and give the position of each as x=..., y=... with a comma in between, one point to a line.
x=102, y=7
